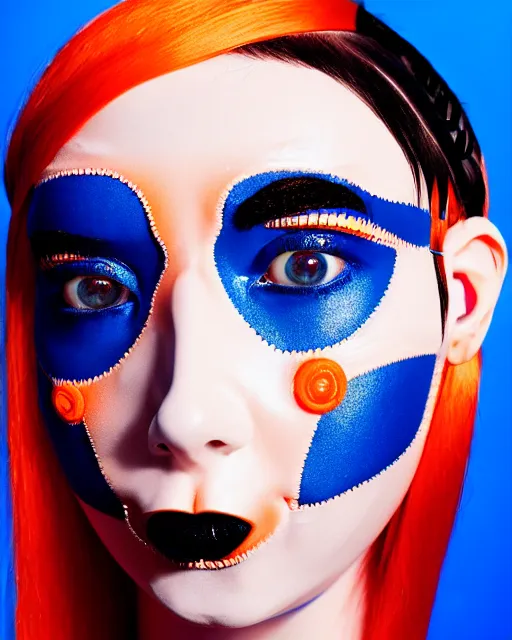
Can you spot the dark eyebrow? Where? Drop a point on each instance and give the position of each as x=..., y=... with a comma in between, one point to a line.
x=291, y=196
x=48, y=243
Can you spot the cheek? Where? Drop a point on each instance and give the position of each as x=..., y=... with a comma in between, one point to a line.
x=375, y=424
x=76, y=348
x=99, y=453
x=77, y=457
x=326, y=539
x=390, y=363
x=119, y=410
x=382, y=326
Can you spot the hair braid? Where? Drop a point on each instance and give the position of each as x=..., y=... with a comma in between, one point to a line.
x=446, y=117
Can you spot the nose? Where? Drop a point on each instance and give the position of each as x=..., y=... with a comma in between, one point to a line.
x=205, y=412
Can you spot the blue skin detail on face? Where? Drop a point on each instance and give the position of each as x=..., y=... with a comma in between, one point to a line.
x=297, y=318
x=411, y=224
x=382, y=410
x=103, y=213
x=376, y=422
x=297, y=609
x=76, y=456
x=300, y=318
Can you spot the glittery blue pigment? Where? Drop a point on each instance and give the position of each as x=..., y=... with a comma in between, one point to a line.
x=301, y=318
x=376, y=422
x=77, y=344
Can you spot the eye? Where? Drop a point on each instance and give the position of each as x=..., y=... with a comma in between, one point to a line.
x=92, y=292
x=304, y=268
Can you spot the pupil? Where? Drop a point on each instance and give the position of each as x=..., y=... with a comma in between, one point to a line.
x=98, y=292
x=306, y=267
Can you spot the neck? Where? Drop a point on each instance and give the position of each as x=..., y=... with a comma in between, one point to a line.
x=335, y=615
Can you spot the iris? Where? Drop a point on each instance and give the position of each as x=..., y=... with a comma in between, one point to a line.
x=94, y=293
x=306, y=267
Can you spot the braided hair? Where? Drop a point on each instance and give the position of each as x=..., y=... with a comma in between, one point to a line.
x=406, y=93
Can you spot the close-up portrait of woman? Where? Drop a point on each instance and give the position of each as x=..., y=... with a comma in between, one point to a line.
x=252, y=258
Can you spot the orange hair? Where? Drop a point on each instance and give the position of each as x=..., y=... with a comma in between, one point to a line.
x=67, y=585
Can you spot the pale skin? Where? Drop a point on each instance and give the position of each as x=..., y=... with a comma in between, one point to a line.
x=184, y=138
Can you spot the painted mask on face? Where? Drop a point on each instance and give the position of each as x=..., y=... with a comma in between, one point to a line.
x=238, y=330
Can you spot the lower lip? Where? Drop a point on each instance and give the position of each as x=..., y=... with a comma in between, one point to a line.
x=216, y=565
x=268, y=524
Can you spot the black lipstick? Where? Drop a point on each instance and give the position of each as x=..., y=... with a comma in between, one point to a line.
x=187, y=537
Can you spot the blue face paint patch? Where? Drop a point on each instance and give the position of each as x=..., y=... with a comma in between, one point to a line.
x=409, y=223
x=309, y=317
x=76, y=456
x=376, y=422
x=303, y=318
x=103, y=221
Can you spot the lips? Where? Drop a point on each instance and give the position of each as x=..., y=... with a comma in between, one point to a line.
x=186, y=537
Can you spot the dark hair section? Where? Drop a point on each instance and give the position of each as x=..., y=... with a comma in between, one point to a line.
x=409, y=96
x=405, y=92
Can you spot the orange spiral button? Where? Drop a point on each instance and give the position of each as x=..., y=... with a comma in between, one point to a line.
x=69, y=403
x=319, y=385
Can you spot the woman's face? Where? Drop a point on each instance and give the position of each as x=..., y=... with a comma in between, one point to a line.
x=168, y=294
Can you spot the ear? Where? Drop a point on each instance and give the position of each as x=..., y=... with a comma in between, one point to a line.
x=475, y=262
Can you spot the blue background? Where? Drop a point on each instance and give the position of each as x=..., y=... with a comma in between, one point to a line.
x=469, y=42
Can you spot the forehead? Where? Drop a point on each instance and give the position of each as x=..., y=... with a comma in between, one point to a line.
x=208, y=124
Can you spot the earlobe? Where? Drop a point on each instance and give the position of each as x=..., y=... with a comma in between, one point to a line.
x=475, y=261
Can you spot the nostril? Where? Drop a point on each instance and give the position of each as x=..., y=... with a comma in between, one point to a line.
x=216, y=444
x=212, y=444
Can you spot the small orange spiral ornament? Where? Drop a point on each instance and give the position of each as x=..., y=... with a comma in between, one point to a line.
x=69, y=403
x=319, y=385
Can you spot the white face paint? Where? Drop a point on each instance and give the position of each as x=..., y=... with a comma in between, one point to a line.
x=228, y=434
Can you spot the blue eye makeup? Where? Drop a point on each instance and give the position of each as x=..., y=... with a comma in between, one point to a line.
x=87, y=284
x=288, y=300
x=100, y=264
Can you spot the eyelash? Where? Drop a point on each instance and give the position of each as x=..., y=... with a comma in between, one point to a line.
x=326, y=243
x=66, y=267
x=49, y=262
x=347, y=222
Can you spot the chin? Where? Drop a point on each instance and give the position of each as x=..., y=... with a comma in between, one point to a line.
x=236, y=597
x=198, y=598
x=223, y=614
x=227, y=619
